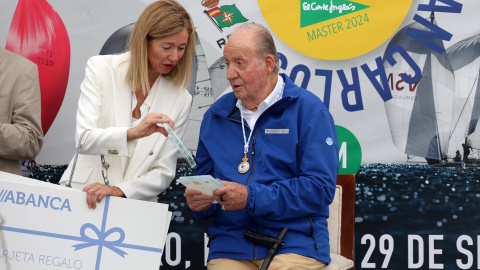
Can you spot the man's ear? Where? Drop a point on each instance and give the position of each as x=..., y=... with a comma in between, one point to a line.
x=269, y=63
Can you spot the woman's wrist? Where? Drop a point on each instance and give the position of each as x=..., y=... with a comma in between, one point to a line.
x=118, y=192
x=131, y=134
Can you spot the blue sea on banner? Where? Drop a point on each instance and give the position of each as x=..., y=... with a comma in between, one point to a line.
x=436, y=208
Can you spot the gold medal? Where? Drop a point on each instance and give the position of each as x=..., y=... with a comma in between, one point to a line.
x=244, y=166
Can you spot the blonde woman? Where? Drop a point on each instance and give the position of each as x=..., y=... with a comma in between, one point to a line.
x=123, y=99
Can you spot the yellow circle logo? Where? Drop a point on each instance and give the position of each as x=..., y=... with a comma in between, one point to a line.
x=334, y=29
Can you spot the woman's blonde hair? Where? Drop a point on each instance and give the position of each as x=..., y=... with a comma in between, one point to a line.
x=160, y=19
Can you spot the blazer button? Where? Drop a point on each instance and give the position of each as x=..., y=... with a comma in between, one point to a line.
x=113, y=152
x=151, y=153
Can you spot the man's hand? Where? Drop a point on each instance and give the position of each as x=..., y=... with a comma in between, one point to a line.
x=197, y=201
x=232, y=196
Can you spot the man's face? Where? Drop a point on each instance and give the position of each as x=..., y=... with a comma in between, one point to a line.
x=245, y=71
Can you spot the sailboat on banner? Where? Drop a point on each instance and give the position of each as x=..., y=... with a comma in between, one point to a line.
x=201, y=90
x=206, y=86
x=420, y=116
x=464, y=57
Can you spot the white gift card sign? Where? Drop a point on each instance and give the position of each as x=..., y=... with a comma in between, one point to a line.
x=46, y=226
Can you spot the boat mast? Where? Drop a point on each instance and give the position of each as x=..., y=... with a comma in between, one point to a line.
x=439, y=146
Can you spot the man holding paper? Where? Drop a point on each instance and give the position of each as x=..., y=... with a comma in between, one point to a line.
x=274, y=148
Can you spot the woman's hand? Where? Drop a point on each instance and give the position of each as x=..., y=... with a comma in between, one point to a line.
x=149, y=126
x=96, y=192
x=197, y=201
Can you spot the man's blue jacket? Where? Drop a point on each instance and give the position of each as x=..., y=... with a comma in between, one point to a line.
x=293, y=156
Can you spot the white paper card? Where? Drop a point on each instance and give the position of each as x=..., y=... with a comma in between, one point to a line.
x=204, y=183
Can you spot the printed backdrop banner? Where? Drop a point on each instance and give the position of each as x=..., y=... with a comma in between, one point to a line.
x=50, y=227
x=358, y=57
x=399, y=77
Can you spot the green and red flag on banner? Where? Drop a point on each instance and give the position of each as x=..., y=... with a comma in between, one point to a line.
x=225, y=16
x=214, y=12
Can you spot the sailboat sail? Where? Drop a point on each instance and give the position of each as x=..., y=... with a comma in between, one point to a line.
x=202, y=98
x=218, y=74
x=420, y=116
x=464, y=56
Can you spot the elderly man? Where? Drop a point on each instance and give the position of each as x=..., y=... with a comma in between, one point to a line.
x=21, y=134
x=274, y=148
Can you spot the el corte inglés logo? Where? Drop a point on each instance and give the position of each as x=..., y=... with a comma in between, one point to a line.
x=313, y=12
x=334, y=29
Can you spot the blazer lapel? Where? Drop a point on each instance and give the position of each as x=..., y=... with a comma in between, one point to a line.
x=163, y=102
x=122, y=91
x=122, y=95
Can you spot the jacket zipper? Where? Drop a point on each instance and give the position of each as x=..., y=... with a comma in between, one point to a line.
x=312, y=229
x=255, y=246
x=253, y=157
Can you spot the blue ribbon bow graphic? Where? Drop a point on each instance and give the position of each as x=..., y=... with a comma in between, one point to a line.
x=101, y=241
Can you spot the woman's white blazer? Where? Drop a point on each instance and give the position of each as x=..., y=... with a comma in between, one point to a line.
x=104, y=107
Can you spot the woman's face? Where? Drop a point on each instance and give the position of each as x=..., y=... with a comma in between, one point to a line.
x=164, y=53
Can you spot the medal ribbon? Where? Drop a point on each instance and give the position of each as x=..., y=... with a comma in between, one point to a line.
x=247, y=142
x=245, y=146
